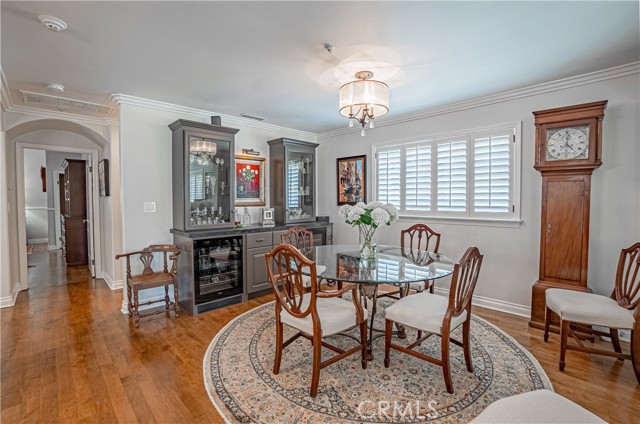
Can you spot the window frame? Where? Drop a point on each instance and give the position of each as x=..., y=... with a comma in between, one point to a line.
x=508, y=219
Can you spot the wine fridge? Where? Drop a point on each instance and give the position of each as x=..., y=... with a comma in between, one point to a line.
x=217, y=266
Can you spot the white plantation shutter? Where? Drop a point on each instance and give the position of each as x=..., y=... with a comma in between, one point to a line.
x=465, y=175
x=452, y=176
x=196, y=184
x=492, y=176
x=294, y=183
x=388, y=173
x=417, y=177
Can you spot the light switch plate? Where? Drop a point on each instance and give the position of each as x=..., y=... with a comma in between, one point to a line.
x=149, y=206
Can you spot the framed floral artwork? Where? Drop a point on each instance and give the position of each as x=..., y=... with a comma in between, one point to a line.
x=250, y=180
x=352, y=180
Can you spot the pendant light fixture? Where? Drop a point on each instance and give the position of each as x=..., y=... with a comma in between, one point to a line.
x=364, y=99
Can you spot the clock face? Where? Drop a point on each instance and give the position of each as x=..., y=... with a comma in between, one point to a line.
x=568, y=143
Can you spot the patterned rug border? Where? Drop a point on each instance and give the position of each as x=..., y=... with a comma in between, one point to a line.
x=222, y=407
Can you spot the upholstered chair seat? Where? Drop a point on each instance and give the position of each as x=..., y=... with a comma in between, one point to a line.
x=537, y=407
x=336, y=315
x=588, y=308
x=306, y=279
x=423, y=311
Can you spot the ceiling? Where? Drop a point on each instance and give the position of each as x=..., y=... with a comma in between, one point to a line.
x=268, y=58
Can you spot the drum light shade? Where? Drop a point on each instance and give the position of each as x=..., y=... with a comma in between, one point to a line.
x=364, y=99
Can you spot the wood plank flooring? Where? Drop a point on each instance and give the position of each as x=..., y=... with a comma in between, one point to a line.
x=69, y=355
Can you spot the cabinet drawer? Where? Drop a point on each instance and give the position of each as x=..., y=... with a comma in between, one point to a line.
x=259, y=239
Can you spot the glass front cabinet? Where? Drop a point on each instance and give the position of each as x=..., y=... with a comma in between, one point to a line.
x=292, y=165
x=203, y=195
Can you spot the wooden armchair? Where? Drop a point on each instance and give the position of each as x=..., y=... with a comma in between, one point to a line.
x=314, y=314
x=578, y=311
x=149, y=278
x=438, y=315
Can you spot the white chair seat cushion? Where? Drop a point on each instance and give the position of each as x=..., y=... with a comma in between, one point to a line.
x=306, y=279
x=335, y=315
x=540, y=406
x=588, y=308
x=419, y=286
x=423, y=311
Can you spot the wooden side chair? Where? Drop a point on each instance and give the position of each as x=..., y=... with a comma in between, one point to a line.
x=415, y=242
x=438, y=315
x=578, y=311
x=302, y=239
x=315, y=314
x=150, y=279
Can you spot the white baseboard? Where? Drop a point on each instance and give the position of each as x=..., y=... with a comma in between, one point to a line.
x=495, y=304
x=113, y=285
x=9, y=301
x=38, y=240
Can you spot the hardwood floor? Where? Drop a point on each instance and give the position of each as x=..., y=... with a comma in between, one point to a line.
x=69, y=355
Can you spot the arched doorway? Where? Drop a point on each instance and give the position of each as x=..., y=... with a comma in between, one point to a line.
x=50, y=135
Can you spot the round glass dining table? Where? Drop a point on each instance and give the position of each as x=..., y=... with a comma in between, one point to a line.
x=390, y=265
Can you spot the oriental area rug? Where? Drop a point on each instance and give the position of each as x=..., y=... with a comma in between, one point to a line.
x=238, y=377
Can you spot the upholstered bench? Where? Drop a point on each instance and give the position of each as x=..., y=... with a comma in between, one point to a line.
x=540, y=406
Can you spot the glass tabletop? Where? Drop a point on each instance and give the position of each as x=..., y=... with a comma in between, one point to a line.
x=390, y=265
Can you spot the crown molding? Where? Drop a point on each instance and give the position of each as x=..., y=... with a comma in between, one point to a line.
x=228, y=120
x=562, y=84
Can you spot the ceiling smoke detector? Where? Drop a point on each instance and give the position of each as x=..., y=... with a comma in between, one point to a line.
x=52, y=23
x=58, y=88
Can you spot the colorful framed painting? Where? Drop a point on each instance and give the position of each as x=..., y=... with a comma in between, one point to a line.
x=352, y=180
x=250, y=180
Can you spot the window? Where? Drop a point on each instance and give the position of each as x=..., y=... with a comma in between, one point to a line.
x=468, y=175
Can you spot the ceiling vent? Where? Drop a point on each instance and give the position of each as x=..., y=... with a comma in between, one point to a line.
x=64, y=105
x=52, y=23
x=255, y=118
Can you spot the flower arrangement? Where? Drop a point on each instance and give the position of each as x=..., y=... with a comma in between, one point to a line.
x=248, y=174
x=368, y=217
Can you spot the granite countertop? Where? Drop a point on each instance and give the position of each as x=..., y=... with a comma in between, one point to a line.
x=255, y=228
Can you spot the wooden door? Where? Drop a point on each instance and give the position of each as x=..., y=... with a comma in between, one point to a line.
x=565, y=226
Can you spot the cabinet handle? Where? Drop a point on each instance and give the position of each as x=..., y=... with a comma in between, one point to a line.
x=259, y=240
x=548, y=228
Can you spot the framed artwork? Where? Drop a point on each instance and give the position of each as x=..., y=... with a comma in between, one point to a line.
x=352, y=179
x=103, y=177
x=250, y=180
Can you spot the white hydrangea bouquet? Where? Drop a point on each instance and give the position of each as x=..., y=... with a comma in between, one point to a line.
x=368, y=217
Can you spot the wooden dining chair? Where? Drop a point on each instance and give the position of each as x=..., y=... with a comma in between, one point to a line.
x=437, y=315
x=578, y=311
x=315, y=314
x=302, y=239
x=150, y=278
x=415, y=241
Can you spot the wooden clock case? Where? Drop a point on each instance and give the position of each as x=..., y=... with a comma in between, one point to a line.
x=566, y=193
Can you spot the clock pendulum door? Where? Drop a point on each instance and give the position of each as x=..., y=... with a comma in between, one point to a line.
x=568, y=149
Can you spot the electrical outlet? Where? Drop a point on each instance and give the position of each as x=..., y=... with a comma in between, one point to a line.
x=149, y=207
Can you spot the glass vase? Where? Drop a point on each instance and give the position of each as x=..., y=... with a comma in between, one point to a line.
x=366, y=241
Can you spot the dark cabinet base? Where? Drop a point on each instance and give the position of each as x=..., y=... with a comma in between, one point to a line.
x=75, y=242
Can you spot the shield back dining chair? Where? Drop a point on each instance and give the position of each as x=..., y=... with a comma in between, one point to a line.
x=438, y=315
x=579, y=311
x=315, y=314
x=302, y=239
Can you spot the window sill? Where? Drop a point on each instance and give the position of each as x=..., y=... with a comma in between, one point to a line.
x=480, y=222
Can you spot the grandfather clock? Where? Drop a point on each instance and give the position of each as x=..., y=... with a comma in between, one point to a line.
x=568, y=149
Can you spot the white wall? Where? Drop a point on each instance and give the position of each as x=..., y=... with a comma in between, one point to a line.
x=511, y=259
x=145, y=154
x=35, y=200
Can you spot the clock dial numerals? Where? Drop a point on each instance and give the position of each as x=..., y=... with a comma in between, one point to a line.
x=568, y=143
